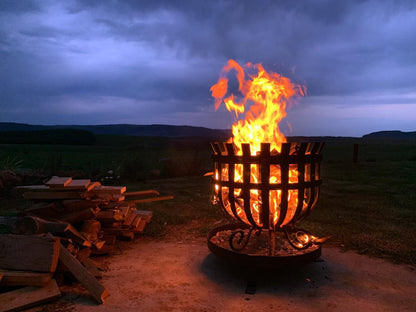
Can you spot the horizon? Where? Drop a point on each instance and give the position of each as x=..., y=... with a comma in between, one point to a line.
x=153, y=62
x=216, y=129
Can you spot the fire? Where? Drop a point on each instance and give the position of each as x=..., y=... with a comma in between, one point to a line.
x=262, y=101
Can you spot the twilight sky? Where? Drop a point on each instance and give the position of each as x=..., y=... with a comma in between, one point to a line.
x=147, y=62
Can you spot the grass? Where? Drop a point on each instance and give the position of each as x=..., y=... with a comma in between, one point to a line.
x=367, y=206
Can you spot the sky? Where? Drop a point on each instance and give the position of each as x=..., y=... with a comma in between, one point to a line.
x=153, y=62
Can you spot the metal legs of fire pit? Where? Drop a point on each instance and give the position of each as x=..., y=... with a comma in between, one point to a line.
x=238, y=239
x=297, y=238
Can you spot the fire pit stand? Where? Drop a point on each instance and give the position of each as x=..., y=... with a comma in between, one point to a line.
x=267, y=193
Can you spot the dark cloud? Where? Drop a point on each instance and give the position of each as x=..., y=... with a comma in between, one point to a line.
x=169, y=53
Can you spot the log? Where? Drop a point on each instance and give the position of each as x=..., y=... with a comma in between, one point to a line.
x=34, y=225
x=24, y=278
x=98, y=292
x=29, y=252
x=141, y=194
x=27, y=297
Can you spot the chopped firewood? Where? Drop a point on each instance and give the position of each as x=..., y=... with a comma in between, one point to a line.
x=26, y=297
x=83, y=254
x=24, y=278
x=109, y=246
x=79, y=204
x=140, y=227
x=146, y=200
x=110, y=215
x=82, y=275
x=59, y=181
x=125, y=209
x=29, y=252
x=90, y=229
x=48, y=195
x=78, y=216
x=128, y=220
x=135, y=222
x=123, y=234
x=145, y=214
x=141, y=194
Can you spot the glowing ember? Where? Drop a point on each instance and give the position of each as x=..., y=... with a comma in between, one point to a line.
x=263, y=99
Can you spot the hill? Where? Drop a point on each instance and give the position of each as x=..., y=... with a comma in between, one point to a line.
x=396, y=134
x=127, y=129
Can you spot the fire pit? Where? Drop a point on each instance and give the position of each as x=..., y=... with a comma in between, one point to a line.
x=247, y=188
x=263, y=182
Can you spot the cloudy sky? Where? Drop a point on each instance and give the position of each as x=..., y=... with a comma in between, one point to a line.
x=147, y=62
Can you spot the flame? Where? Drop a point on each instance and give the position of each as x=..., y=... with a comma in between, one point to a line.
x=262, y=101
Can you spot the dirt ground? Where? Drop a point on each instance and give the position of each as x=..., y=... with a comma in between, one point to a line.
x=182, y=275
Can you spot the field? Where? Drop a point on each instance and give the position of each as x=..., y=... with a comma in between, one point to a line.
x=368, y=206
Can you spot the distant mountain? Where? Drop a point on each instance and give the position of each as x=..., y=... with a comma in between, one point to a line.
x=395, y=134
x=127, y=129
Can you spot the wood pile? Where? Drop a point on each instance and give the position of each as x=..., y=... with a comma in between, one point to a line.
x=69, y=221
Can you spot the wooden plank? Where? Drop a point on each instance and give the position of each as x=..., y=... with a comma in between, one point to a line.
x=27, y=297
x=47, y=195
x=33, y=187
x=24, y=278
x=141, y=193
x=145, y=214
x=109, y=189
x=110, y=215
x=59, y=181
x=29, y=252
x=128, y=220
x=140, y=227
x=93, y=185
x=146, y=200
x=78, y=184
x=98, y=292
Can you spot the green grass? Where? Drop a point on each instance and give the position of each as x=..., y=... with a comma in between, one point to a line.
x=369, y=206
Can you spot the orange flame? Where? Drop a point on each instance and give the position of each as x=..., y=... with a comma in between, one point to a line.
x=263, y=100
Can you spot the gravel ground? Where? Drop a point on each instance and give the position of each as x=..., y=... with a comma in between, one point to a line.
x=182, y=275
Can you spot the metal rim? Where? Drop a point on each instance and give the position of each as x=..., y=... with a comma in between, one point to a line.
x=257, y=261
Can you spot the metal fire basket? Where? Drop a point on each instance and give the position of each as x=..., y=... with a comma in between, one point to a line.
x=299, y=167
